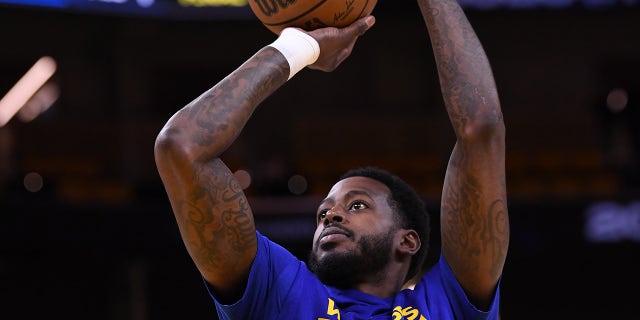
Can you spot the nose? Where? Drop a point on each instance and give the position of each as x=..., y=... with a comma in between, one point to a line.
x=333, y=215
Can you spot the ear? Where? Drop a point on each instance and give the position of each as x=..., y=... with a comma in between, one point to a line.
x=409, y=242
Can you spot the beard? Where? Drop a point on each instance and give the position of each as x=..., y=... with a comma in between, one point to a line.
x=345, y=269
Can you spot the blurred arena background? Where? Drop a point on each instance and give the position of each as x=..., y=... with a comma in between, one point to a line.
x=86, y=231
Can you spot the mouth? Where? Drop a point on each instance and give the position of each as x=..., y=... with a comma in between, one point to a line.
x=331, y=235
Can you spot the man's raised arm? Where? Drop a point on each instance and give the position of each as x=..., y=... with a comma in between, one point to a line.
x=212, y=212
x=474, y=219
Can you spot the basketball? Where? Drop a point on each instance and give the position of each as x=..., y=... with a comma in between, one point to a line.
x=309, y=14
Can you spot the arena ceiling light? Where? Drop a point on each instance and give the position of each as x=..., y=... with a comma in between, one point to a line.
x=26, y=88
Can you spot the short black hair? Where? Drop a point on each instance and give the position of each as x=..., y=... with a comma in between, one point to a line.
x=407, y=204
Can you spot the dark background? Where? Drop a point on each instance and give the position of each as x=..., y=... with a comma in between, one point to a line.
x=99, y=241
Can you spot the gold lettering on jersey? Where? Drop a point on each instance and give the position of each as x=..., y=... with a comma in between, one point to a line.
x=408, y=313
x=399, y=313
x=332, y=310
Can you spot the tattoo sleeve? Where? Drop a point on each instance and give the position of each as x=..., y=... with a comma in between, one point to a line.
x=212, y=212
x=474, y=220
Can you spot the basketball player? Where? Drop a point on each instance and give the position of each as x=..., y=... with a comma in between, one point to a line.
x=372, y=231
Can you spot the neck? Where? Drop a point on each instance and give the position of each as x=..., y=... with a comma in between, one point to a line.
x=385, y=283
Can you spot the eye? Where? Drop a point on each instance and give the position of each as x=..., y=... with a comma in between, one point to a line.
x=358, y=205
x=322, y=214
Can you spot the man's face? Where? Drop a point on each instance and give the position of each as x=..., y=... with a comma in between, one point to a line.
x=355, y=233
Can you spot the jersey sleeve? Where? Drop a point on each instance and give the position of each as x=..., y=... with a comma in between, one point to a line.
x=461, y=306
x=272, y=274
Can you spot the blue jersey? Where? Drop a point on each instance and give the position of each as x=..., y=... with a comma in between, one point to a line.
x=281, y=287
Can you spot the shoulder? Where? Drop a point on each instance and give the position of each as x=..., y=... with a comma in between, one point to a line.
x=444, y=294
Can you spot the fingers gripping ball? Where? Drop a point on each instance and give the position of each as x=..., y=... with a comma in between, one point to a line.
x=309, y=14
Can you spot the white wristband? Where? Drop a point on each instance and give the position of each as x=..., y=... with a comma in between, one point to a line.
x=299, y=48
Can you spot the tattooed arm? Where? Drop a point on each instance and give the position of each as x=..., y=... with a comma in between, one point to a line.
x=474, y=220
x=212, y=212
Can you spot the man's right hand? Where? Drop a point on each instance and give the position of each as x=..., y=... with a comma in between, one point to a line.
x=336, y=44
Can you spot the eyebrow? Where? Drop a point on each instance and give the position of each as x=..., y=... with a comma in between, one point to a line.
x=349, y=194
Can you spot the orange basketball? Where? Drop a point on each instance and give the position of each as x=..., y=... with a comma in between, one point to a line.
x=309, y=14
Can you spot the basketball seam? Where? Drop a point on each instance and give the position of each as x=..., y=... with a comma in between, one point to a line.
x=363, y=7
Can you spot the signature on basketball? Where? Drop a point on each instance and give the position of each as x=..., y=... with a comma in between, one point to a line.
x=342, y=14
